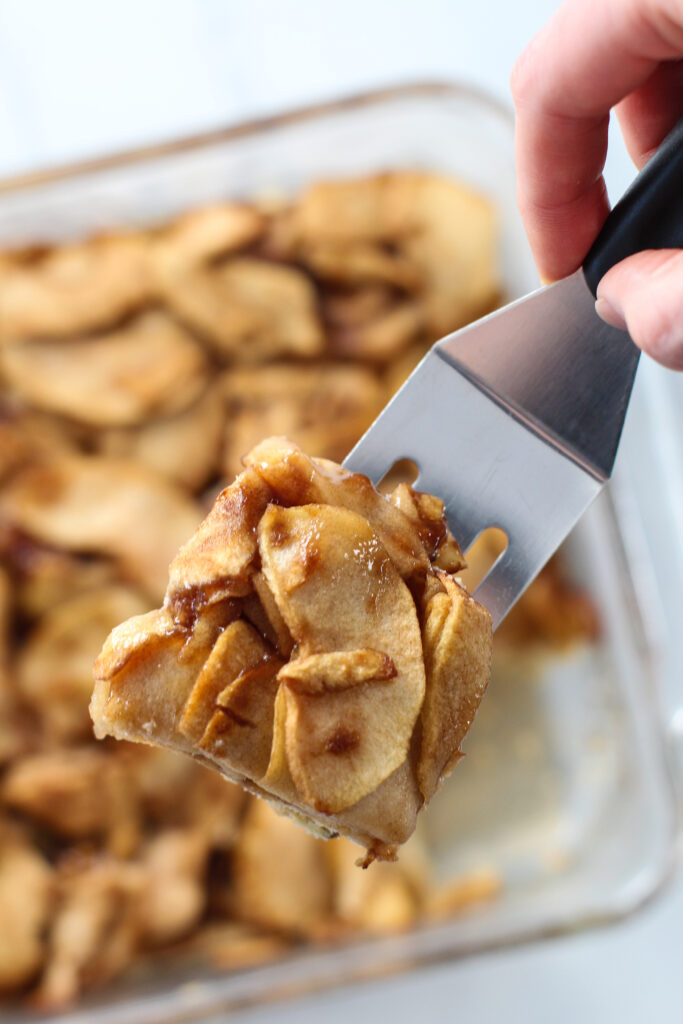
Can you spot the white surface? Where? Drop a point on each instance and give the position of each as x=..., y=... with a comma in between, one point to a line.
x=80, y=78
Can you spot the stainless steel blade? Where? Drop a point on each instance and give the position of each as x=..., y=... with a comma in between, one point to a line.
x=514, y=422
x=550, y=359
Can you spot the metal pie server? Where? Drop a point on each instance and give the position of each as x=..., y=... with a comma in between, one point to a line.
x=514, y=421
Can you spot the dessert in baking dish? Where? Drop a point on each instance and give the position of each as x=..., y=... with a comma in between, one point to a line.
x=126, y=402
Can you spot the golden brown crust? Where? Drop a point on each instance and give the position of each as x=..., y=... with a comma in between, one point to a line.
x=146, y=672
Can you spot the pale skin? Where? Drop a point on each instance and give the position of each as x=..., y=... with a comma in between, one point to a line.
x=594, y=56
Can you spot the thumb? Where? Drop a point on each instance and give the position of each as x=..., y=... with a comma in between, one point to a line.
x=644, y=294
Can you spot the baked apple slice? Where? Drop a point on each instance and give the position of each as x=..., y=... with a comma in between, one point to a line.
x=314, y=646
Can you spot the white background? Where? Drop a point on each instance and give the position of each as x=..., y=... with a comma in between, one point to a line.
x=84, y=78
x=80, y=78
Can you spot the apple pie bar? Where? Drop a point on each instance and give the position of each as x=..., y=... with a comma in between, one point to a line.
x=314, y=645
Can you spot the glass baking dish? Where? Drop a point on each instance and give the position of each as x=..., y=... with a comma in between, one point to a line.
x=566, y=792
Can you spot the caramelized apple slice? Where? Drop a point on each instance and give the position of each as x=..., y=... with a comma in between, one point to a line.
x=338, y=591
x=457, y=640
x=297, y=479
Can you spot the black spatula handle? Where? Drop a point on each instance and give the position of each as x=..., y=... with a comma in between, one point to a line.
x=648, y=216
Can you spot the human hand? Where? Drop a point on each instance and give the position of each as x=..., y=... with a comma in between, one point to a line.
x=594, y=55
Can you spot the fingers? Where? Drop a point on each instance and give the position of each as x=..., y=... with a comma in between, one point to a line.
x=644, y=293
x=649, y=113
x=590, y=55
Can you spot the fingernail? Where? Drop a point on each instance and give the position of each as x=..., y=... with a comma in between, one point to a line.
x=608, y=312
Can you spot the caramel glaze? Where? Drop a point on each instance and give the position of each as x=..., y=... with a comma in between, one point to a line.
x=342, y=741
x=187, y=605
x=294, y=490
x=279, y=535
x=310, y=554
x=253, y=676
x=43, y=482
x=235, y=717
x=433, y=533
x=21, y=550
